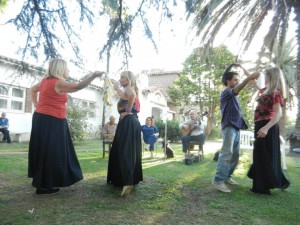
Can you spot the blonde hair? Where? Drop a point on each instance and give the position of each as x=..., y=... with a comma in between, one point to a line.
x=276, y=81
x=57, y=68
x=132, y=79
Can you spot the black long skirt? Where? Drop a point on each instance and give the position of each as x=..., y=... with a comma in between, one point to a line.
x=52, y=161
x=266, y=171
x=125, y=158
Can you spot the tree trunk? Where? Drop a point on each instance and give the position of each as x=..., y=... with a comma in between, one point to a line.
x=208, y=126
x=295, y=136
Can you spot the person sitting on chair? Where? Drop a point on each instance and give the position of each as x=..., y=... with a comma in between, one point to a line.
x=109, y=129
x=193, y=131
x=4, y=128
x=150, y=134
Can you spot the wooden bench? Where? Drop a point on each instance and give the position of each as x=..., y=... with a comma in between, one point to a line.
x=104, y=143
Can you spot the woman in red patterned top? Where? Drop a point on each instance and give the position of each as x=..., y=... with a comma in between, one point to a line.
x=52, y=161
x=266, y=171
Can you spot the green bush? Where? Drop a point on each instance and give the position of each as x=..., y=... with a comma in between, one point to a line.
x=77, y=116
x=173, y=131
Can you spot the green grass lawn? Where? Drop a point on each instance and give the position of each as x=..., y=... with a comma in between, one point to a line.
x=172, y=193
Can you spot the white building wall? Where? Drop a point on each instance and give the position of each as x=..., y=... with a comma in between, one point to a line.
x=151, y=101
x=20, y=121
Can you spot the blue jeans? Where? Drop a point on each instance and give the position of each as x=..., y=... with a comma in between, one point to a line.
x=229, y=154
x=186, y=139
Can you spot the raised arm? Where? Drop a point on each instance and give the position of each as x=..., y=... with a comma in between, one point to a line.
x=228, y=69
x=246, y=72
x=63, y=86
x=241, y=85
x=120, y=92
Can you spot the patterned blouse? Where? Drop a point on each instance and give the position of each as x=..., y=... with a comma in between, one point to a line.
x=264, y=109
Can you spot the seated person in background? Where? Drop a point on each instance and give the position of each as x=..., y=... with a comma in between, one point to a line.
x=109, y=128
x=4, y=128
x=194, y=131
x=150, y=134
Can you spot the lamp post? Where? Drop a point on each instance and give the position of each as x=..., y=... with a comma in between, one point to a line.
x=166, y=136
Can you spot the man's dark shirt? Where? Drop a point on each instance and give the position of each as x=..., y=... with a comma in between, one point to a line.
x=231, y=110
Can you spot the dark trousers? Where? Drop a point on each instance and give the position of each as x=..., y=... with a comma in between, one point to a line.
x=6, y=137
x=186, y=139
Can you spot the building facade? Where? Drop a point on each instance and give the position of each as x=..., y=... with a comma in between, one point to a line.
x=16, y=78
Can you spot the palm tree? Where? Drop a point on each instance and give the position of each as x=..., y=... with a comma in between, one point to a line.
x=286, y=61
x=249, y=15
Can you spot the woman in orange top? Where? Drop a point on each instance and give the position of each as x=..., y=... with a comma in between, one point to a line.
x=52, y=161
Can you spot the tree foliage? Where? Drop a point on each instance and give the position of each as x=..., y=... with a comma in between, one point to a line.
x=199, y=85
x=210, y=16
x=173, y=132
x=51, y=26
x=3, y=4
x=247, y=17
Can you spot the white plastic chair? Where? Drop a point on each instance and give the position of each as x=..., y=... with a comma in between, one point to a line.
x=282, y=150
x=246, y=140
x=146, y=146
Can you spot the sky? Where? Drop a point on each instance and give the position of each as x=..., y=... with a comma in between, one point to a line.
x=170, y=37
x=174, y=39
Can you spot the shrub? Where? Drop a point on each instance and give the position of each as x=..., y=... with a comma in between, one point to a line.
x=173, y=131
x=77, y=119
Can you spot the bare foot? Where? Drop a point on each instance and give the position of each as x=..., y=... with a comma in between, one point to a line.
x=126, y=190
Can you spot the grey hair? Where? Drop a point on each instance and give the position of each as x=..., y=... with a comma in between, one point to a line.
x=194, y=111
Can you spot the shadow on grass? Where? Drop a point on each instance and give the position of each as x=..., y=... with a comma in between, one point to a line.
x=172, y=193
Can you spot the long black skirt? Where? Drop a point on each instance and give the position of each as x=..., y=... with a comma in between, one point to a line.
x=52, y=161
x=266, y=170
x=125, y=157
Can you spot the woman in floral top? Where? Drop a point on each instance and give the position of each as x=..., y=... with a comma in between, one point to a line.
x=266, y=171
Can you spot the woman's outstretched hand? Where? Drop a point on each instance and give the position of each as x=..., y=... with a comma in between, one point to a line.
x=98, y=73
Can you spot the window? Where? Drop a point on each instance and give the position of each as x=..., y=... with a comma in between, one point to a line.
x=158, y=97
x=12, y=98
x=3, y=90
x=16, y=105
x=84, y=104
x=3, y=103
x=92, y=112
x=17, y=93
